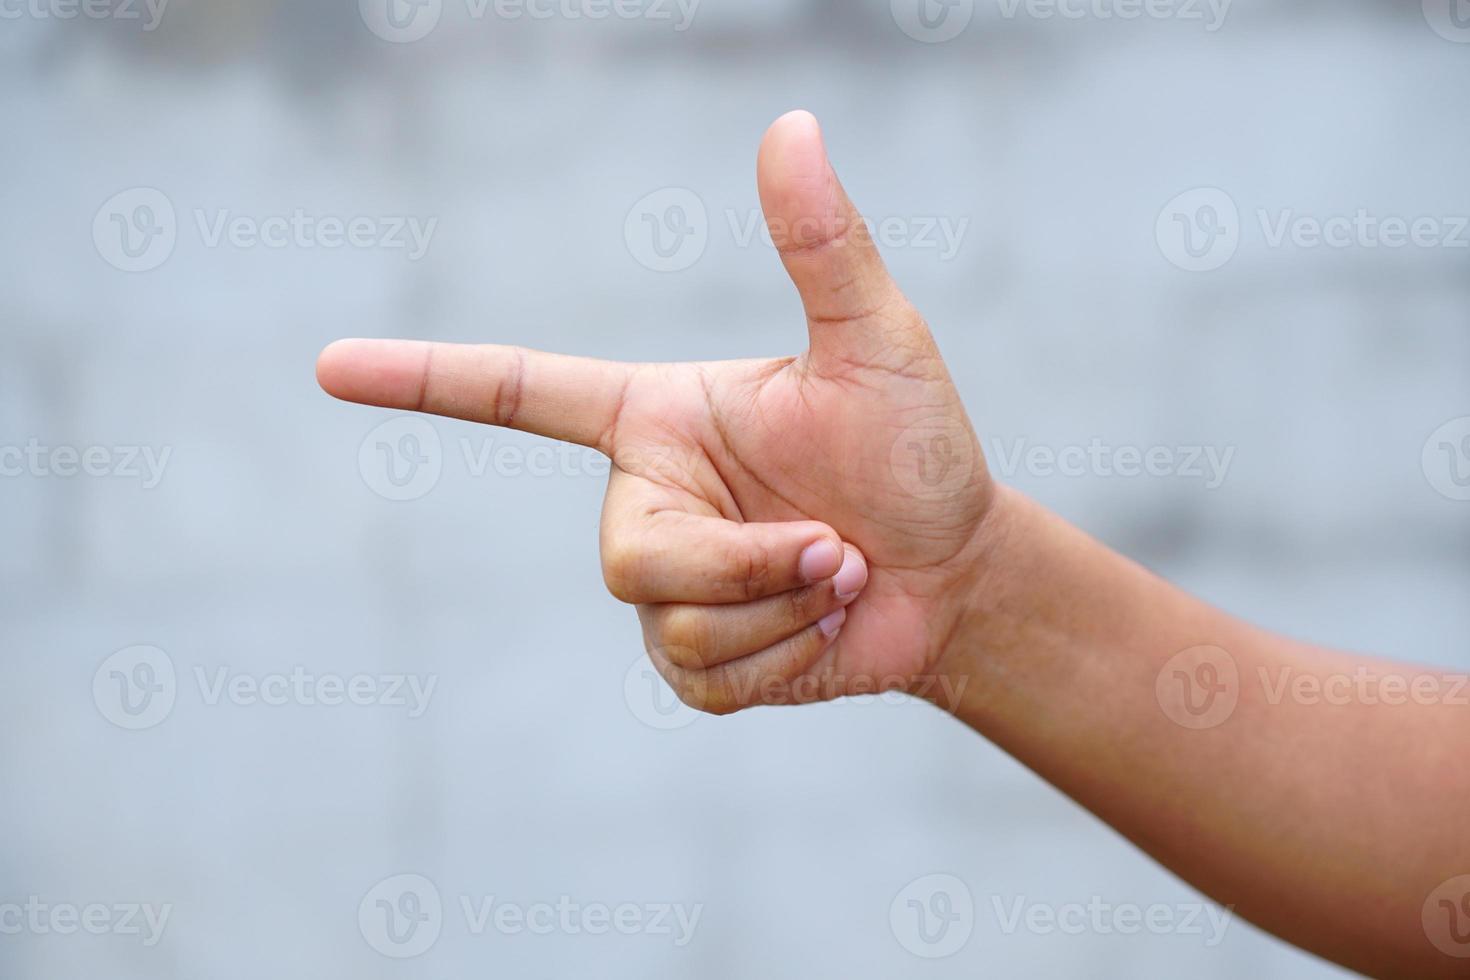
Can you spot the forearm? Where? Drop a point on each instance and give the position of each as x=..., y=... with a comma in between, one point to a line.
x=1324, y=810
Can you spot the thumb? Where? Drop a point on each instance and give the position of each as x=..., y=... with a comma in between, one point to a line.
x=851, y=301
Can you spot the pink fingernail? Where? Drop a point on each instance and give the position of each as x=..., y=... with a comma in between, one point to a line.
x=851, y=577
x=831, y=623
x=820, y=561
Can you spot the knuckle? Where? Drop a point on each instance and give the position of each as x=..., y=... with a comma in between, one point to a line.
x=706, y=692
x=506, y=404
x=799, y=604
x=687, y=635
x=621, y=562
x=752, y=565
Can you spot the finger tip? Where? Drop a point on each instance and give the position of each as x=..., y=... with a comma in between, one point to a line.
x=326, y=368
x=832, y=623
x=852, y=577
x=798, y=122
x=793, y=150
x=334, y=366
x=369, y=371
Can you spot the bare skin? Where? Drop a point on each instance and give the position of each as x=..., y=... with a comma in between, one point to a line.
x=814, y=527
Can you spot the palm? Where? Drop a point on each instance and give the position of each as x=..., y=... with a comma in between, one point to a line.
x=775, y=441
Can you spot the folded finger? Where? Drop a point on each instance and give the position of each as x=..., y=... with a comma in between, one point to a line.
x=657, y=556
x=701, y=636
x=764, y=678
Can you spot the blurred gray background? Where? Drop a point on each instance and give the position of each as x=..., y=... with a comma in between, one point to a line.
x=157, y=751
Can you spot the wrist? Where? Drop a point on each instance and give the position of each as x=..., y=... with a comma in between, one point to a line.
x=982, y=576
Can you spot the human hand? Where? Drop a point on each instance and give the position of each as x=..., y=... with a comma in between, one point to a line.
x=791, y=530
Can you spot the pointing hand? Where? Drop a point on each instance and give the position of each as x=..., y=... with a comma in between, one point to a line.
x=790, y=530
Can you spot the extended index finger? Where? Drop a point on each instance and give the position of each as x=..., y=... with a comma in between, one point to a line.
x=574, y=399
